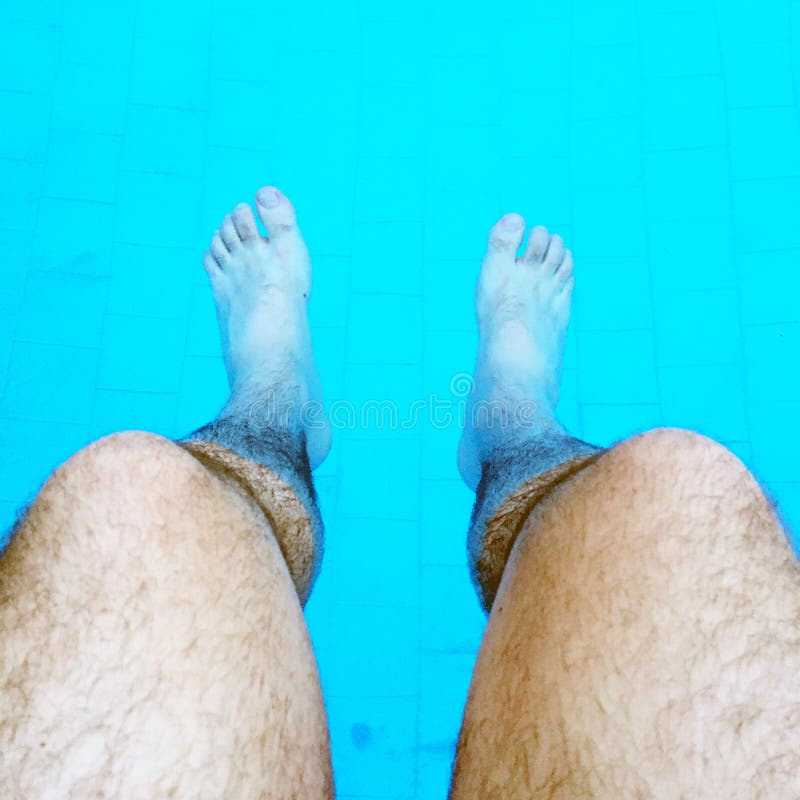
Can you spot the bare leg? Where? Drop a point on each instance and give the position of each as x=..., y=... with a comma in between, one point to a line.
x=152, y=641
x=644, y=639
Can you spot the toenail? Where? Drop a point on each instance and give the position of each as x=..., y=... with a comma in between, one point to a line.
x=269, y=198
x=512, y=222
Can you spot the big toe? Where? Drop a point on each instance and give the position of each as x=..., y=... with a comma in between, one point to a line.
x=276, y=212
x=506, y=235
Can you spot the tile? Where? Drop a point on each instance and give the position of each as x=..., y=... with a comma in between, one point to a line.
x=596, y=212
x=236, y=49
x=73, y=236
x=169, y=74
x=152, y=281
x=568, y=409
x=768, y=349
x=765, y=142
x=462, y=157
x=330, y=299
x=9, y=513
x=606, y=153
x=330, y=347
x=610, y=24
x=31, y=62
x=613, y=294
x=706, y=399
x=203, y=336
x=787, y=496
x=387, y=257
x=97, y=32
x=27, y=138
x=385, y=401
x=31, y=450
x=390, y=190
x=16, y=247
x=714, y=340
x=448, y=298
x=395, y=323
x=63, y=309
x=758, y=75
x=377, y=563
x=171, y=22
x=605, y=82
x=322, y=155
x=372, y=745
x=679, y=6
x=761, y=302
x=606, y=424
x=461, y=35
x=696, y=253
x=687, y=184
x=378, y=647
x=775, y=439
x=551, y=66
x=446, y=509
x=164, y=140
x=158, y=210
x=752, y=21
x=327, y=226
x=393, y=54
x=203, y=392
x=449, y=358
x=764, y=214
x=684, y=112
x=627, y=376
x=452, y=620
x=328, y=93
x=42, y=11
x=457, y=224
x=463, y=90
x=522, y=135
x=445, y=681
x=388, y=485
x=20, y=190
x=698, y=53
x=115, y=411
x=91, y=98
x=83, y=166
x=153, y=364
x=553, y=207
x=50, y=383
x=392, y=122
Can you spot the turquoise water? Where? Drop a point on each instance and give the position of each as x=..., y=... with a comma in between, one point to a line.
x=661, y=138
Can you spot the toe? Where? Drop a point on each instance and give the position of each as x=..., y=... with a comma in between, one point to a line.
x=211, y=265
x=506, y=235
x=555, y=253
x=565, y=271
x=276, y=212
x=245, y=222
x=229, y=235
x=538, y=243
x=218, y=249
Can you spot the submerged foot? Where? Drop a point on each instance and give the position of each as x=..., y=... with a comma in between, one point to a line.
x=261, y=288
x=523, y=307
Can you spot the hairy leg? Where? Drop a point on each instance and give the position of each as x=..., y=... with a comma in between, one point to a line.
x=152, y=642
x=643, y=640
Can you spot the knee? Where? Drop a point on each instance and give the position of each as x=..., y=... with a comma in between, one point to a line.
x=126, y=465
x=681, y=461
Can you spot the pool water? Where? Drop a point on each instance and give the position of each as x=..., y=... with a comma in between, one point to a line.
x=660, y=137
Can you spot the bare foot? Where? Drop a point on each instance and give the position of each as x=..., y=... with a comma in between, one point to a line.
x=523, y=307
x=261, y=288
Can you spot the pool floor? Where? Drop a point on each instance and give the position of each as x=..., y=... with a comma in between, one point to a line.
x=661, y=138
